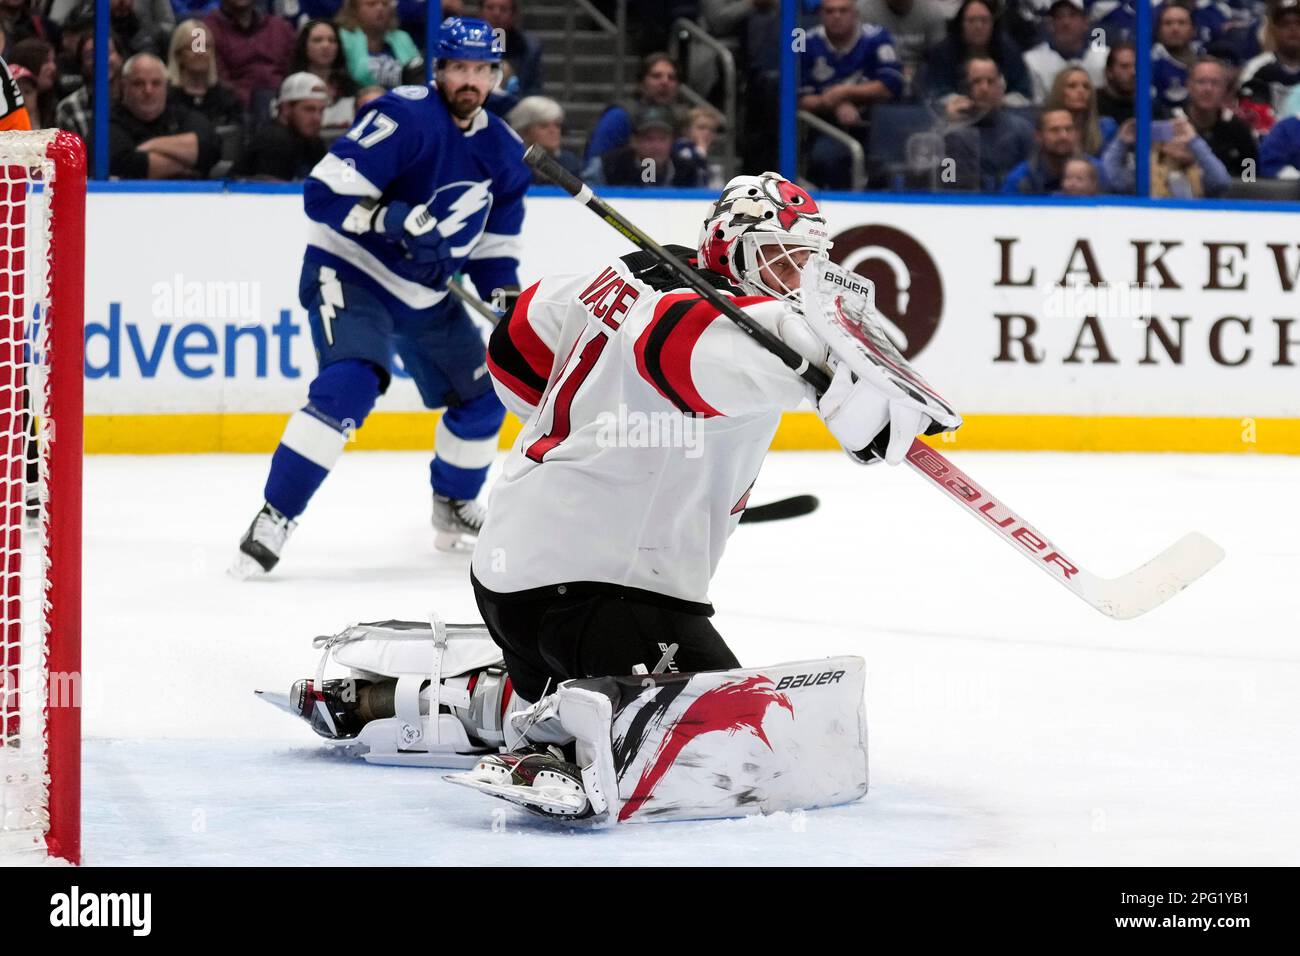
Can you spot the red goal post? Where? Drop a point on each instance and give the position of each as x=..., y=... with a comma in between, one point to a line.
x=42, y=259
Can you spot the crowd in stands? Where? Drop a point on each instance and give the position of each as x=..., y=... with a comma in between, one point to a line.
x=1015, y=96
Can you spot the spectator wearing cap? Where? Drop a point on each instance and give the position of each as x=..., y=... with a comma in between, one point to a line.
x=377, y=50
x=319, y=51
x=1228, y=136
x=646, y=160
x=1182, y=164
x=1055, y=143
x=1068, y=43
x=193, y=79
x=1115, y=98
x=1174, y=52
x=287, y=149
x=658, y=83
x=522, y=51
x=916, y=26
x=976, y=30
x=150, y=138
x=845, y=68
x=1072, y=90
x=1271, y=75
x=984, y=141
x=539, y=121
x=76, y=111
x=253, y=50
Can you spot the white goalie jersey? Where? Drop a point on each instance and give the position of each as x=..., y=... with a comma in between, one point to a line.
x=646, y=415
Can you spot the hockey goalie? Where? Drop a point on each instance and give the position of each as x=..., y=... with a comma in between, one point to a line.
x=597, y=687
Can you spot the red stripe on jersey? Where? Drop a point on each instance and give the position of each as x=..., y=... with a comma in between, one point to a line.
x=535, y=352
x=667, y=349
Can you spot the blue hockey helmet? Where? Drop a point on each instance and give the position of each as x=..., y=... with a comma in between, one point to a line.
x=467, y=38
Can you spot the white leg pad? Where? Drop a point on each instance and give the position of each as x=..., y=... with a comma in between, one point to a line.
x=720, y=743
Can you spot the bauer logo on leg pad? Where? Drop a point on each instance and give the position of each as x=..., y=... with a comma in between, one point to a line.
x=723, y=743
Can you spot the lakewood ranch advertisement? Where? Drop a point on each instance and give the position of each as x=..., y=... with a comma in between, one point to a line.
x=1047, y=326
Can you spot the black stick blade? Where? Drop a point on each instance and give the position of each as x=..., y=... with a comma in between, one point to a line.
x=795, y=507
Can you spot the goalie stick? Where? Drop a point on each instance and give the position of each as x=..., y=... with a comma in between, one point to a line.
x=794, y=507
x=1127, y=596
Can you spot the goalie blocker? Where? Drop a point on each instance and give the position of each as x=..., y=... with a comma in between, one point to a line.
x=707, y=745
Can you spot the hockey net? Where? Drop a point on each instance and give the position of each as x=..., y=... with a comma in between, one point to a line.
x=42, y=219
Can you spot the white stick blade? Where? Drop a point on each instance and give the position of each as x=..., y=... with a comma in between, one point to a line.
x=1155, y=582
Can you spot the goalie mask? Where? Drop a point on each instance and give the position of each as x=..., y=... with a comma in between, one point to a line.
x=761, y=232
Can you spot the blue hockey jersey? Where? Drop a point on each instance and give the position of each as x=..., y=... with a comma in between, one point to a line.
x=872, y=57
x=406, y=146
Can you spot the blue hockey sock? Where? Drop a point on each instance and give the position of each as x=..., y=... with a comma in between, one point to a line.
x=339, y=400
x=464, y=446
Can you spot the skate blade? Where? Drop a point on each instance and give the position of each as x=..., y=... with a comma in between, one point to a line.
x=453, y=542
x=244, y=568
x=278, y=701
x=546, y=801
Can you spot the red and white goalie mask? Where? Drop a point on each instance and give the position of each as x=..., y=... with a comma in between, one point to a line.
x=761, y=232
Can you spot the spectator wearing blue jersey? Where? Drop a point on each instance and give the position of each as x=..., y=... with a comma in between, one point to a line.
x=1056, y=142
x=984, y=141
x=377, y=51
x=426, y=184
x=1279, y=151
x=976, y=30
x=657, y=85
x=1213, y=19
x=845, y=68
x=522, y=51
x=1068, y=42
x=1172, y=56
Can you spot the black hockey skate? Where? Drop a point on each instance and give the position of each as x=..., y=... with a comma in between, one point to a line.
x=333, y=709
x=259, y=549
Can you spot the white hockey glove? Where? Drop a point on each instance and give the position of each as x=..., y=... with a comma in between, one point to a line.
x=868, y=423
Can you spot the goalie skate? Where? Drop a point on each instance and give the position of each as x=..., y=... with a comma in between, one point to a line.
x=535, y=779
x=456, y=523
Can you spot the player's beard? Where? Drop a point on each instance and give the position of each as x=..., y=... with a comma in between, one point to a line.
x=465, y=102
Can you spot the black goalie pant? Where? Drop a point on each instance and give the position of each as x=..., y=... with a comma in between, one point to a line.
x=597, y=631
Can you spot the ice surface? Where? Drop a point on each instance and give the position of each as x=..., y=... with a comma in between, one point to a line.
x=1009, y=722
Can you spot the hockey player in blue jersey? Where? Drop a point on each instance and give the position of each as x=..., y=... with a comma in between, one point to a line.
x=426, y=183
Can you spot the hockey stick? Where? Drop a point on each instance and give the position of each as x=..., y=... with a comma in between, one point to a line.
x=1123, y=597
x=794, y=507
x=472, y=302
